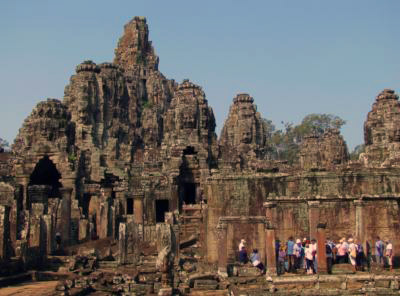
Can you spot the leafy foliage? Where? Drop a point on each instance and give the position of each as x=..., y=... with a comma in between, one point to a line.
x=286, y=142
x=4, y=145
x=355, y=154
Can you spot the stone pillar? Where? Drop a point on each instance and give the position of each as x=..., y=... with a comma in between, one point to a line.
x=138, y=208
x=66, y=215
x=360, y=231
x=14, y=211
x=83, y=230
x=270, y=251
x=122, y=243
x=102, y=227
x=321, y=249
x=270, y=213
x=4, y=232
x=24, y=181
x=313, y=217
x=222, y=250
x=47, y=228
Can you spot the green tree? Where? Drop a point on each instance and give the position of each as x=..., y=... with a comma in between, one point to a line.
x=288, y=140
x=355, y=154
x=4, y=145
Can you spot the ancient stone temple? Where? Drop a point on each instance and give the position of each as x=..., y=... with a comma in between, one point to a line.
x=244, y=135
x=129, y=160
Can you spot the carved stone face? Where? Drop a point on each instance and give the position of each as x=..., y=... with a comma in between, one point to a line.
x=245, y=132
x=396, y=137
x=188, y=117
x=83, y=111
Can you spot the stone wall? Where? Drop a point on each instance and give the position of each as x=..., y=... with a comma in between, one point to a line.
x=363, y=215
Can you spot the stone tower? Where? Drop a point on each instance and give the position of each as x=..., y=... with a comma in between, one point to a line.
x=382, y=130
x=244, y=135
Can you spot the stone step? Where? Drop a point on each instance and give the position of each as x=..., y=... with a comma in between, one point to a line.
x=107, y=264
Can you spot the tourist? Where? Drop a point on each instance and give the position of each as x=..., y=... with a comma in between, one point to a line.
x=243, y=255
x=360, y=256
x=379, y=246
x=329, y=255
x=309, y=258
x=242, y=244
x=291, y=257
x=256, y=261
x=346, y=248
x=314, y=252
x=298, y=253
x=277, y=247
x=58, y=241
x=352, y=253
x=389, y=254
x=281, y=260
x=341, y=252
x=331, y=243
x=305, y=241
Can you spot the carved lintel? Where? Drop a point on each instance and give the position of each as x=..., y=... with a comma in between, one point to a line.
x=313, y=204
x=269, y=204
x=358, y=202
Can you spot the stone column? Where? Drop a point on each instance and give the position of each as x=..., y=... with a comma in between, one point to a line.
x=359, y=204
x=222, y=250
x=66, y=215
x=270, y=212
x=270, y=251
x=102, y=226
x=4, y=231
x=313, y=217
x=321, y=249
x=47, y=227
x=122, y=243
x=138, y=208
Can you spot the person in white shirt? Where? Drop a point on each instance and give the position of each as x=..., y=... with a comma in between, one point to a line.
x=352, y=253
x=242, y=244
x=389, y=254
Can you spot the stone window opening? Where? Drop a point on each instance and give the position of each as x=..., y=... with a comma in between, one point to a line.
x=162, y=206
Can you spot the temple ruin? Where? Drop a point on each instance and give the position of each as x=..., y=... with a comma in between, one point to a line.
x=129, y=159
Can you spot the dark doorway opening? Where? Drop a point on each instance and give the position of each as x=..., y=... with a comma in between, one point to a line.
x=46, y=173
x=189, y=193
x=189, y=150
x=129, y=206
x=162, y=206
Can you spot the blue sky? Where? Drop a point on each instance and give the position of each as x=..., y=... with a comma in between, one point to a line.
x=294, y=57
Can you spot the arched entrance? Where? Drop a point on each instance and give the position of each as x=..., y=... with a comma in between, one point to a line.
x=46, y=173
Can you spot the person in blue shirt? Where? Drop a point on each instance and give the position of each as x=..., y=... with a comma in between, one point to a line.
x=379, y=247
x=256, y=260
x=290, y=254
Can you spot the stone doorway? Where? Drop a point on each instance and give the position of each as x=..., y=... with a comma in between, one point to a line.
x=129, y=206
x=189, y=193
x=162, y=206
x=46, y=173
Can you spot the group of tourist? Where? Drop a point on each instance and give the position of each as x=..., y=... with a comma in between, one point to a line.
x=302, y=254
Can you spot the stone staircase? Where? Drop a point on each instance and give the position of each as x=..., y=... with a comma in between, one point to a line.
x=191, y=220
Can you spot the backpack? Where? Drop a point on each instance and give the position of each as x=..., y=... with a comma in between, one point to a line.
x=360, y=249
